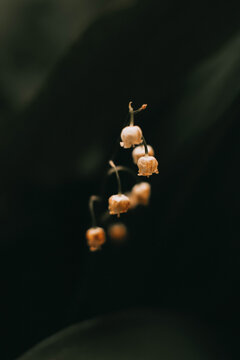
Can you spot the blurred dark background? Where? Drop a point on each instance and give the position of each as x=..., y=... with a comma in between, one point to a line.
x=67, y=72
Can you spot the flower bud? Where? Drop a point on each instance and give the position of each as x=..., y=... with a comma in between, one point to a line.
x=118, y=204
x=139, y=151
x=117, y=231
x=131, y=135
x=96, y=237
x=147, y=165
x=141, y=192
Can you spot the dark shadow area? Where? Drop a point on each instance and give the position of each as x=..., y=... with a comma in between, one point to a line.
x=182, y=254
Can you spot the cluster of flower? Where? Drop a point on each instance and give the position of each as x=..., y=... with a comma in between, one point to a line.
x=143, y=157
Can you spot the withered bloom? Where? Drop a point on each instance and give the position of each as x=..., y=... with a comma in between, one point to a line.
x=96, y=237
x=131, y=135
x=117, y=231
x=147, y=165
x=139, y=151
x=133, y=200
x=118, y=204
x=141, y=192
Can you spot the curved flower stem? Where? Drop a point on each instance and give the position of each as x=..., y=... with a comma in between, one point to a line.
x=133, y=112
x=145, y=145
x=123, y=168
x=111, y=163
x=91, y=208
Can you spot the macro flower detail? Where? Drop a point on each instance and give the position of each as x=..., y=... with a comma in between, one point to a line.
x=143, y=156
x=118, y=204
x=96, y=237
x=139, y=151
x=117, y=231
x=131, y=135
x=141, y=193
x=147, y=165
x=133, y=200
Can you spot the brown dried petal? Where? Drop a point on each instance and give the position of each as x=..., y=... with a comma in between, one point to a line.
x=118, y=204
x=95, y=238
x=139, y=151
x=133, y=200
x=147, y=165
x=142, y=192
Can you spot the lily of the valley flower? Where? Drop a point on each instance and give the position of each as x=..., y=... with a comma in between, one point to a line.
x=118, y=204
x=147, y=165
x=133, y=200
x=117, y=231
x=143, y=156
x=141, y=192
x=96, y=237
x=131, y=135
x=139, y=151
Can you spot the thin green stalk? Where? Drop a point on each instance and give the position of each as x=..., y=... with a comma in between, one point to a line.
x=123, y=168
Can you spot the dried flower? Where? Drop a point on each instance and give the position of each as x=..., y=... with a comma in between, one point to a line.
x=96, y=237
x=133, y=200
x=118, y=204
x=117, y=231
x=147, y=165
x=139, y=151
x=141, y=192
x=131, y=135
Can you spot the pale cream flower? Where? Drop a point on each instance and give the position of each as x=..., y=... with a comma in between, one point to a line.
x=147, y=165
x=118, y=204
x=96, y=237
x=141, y=192
x=131, y=135
x=117, y=232
x=139, y=151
